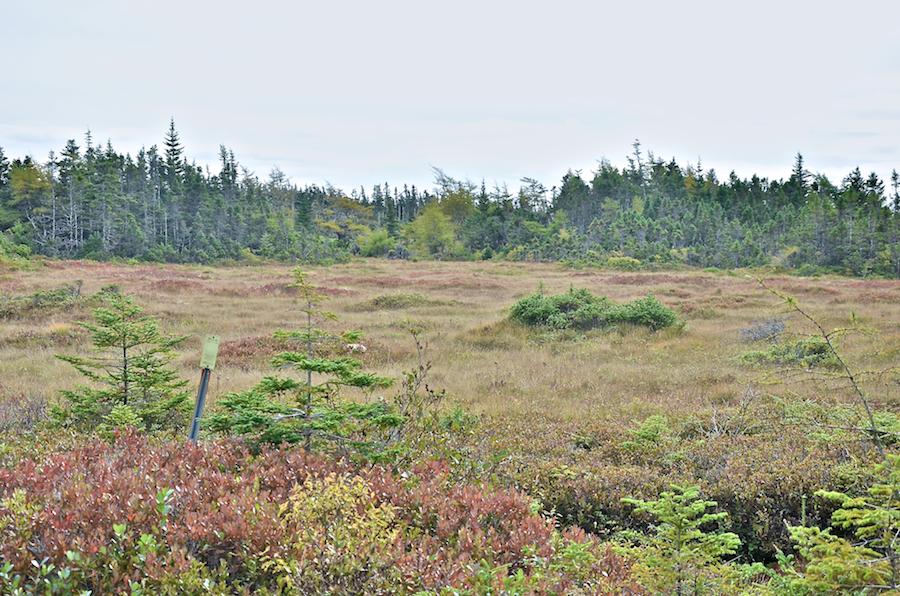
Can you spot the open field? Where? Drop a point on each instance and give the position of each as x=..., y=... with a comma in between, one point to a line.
x=577, y=420
x=485, y=363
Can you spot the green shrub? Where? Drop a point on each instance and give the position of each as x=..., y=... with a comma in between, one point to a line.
x=12, y=252
x=378, y=244
x=647, y=311
x=623, y=263
x=576, y=308
x=806, y=352
x=651, y=431
x=16, y=307
x=579, y=309
x=399, y=301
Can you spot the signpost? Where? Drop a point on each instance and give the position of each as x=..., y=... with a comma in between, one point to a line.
x=207, y=363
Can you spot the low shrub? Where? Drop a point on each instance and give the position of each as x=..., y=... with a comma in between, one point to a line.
x=398, y=301
x=647, y=311
x=579, y=309
x=22, y=412
x=806, y=352
x=17, y=307
x=623, y=263
x=579, y=471
x=139, y=517
x=250, y=351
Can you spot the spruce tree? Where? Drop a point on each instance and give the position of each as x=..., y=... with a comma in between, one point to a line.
x=135, y=384
x=315, y=414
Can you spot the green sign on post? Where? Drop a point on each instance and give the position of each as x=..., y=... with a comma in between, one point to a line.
x=210, y=351
x=207, y=363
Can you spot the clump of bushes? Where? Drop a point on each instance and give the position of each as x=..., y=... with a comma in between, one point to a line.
x=147, y=518
x=579, y=471
x=806, y=352
x=398, y=301
x=579, y=309
x=17, y=307
x=10, y=252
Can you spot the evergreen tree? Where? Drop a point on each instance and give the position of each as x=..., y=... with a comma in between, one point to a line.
x=798, y=184
x=895, y=197
x=280, y=409
x=683, y=556
x=174, y=151
x=391, y=223
x=136, y=385
x=8, y=216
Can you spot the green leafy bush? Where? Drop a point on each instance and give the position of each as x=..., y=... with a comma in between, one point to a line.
x=646, y=311
x=579, y=309
x=377, y=244
x=576, y=308
x=12, y=252
x=623, y=263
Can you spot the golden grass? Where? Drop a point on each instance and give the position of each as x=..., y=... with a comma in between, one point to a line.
x=483, y=361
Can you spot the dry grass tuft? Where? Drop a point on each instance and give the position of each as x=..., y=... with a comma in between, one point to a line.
x=57, y=328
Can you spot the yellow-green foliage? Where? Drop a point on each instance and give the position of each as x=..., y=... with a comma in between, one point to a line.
x=623, y=263
x=9, y=252
x=682, y=555
x=341, y=539
x=871, y=562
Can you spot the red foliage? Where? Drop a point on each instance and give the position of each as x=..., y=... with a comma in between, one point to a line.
x=250, y=351
x=226, y=509
x=178, y=286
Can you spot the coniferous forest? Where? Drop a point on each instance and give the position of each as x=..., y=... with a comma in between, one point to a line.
x=91, y=202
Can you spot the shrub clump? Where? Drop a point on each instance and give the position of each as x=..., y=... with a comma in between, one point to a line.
x=16, y=307
x=138, y=517
x=580, y=309
x=806, y=352
x=399, y=301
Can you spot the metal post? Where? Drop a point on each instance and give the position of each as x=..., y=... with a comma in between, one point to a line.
x=198, y=410
x=207, y=363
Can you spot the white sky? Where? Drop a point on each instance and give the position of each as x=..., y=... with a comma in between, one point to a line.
x=360, y=92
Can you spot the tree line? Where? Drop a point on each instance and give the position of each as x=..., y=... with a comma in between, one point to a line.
x=92, y=202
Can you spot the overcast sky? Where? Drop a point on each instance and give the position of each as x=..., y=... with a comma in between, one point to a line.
x=360, y=92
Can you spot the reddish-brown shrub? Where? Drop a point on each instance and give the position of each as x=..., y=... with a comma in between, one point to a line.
x=106, y=502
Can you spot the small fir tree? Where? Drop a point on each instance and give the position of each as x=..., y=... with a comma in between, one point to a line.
x=683, y=557
x=137, y=387
x=289, y=410
x=871, y=563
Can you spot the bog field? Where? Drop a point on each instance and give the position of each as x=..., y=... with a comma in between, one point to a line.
x=740, y=399
x=484, y=363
